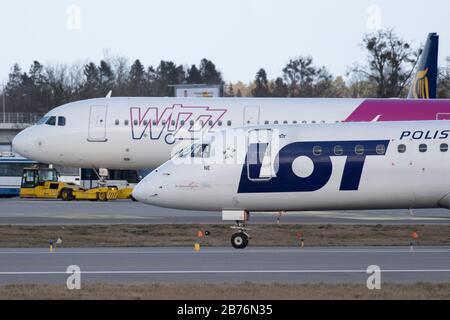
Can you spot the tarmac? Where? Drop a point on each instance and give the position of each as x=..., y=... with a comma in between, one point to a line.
x=226, y=265
x=55, y=212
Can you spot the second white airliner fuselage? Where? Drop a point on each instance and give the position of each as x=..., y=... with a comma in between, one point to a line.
x=138, y=133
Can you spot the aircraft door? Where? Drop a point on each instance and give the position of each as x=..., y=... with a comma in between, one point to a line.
x=251, y=116
x=97, y=124
x=259, y=155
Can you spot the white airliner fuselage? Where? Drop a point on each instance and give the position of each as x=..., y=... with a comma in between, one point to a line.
x=138, y=133
x=311, y=167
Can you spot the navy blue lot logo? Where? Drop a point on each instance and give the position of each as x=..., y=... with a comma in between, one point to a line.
x=320, y=153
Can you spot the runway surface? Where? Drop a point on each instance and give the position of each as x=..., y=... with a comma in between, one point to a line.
x=219, y=265
x=45, y=212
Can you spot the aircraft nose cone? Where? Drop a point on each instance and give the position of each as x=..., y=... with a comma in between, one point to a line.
x=149, y=190
x=21, y=144
x=139, y=192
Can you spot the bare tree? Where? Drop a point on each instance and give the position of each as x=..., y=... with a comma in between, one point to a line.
x=390, y=63
x=304, y=79
x=121, y=68
x=444, y=81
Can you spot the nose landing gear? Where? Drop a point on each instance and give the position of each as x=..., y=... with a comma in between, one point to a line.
x=240, y=239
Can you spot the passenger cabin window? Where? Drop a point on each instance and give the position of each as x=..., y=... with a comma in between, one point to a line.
x=275, y=122
x=317, y=150
x=423, y=148
x=338, y=150
x=381, y=149
x=51, y=121
x=126, y=122
x=444, y=147
x=61, y=121
x=401, y=148
x=220, y=123
x=285, y=122
x=266, y=122
x=359, y=150
x=229, y=123
x=117, y=122
x=12, y=169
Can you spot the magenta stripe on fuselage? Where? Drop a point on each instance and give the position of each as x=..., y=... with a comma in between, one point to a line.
x=401, y=110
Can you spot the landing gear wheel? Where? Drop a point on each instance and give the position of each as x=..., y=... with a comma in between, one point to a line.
x=102, y=196
x=66, y=195
x=239, y=240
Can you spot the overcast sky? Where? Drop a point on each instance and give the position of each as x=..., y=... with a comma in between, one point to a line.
x=240, y=36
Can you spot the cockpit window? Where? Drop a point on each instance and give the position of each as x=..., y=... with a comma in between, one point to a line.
x=201, y=151
x=61, y=121
x=196, y=151
x=206, y=153
x=43, y=120
x=186, y=152
x=51, y=121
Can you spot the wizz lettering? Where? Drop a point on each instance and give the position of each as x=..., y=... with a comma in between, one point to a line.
x=169, y=123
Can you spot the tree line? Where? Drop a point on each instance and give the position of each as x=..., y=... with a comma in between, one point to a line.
x=44, y=87
x=386, y=72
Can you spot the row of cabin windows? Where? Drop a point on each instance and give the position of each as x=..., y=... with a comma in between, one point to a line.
x=423, y=148
x=203, y=150
x=359, y=150
x=297, y=122
x=210, y=123
x=380, y=149
x=173, y=123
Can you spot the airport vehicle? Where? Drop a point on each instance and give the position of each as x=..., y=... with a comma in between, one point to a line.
x=136, y=133
x=347, y=166
x=124, y=180
x=42, y=183
x=125, y=193
x=11, y=168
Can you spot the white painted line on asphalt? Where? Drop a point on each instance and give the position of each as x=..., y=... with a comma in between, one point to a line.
x=13, y=273
x=206, y=251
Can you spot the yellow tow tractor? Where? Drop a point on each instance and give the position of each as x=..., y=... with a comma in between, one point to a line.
x=125, y=193
x=42, y=183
